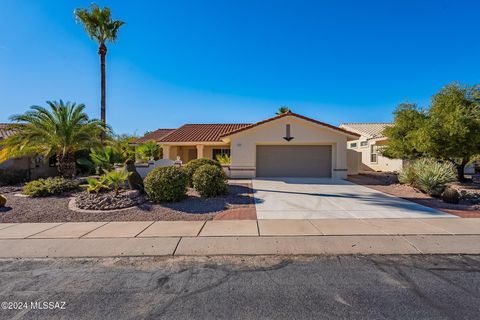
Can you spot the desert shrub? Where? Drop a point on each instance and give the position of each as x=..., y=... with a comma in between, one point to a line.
x=451, y=195
x=408, y=174
x=3, y=201
x=116, y=179
x=50, y=186
x=149, y=150
x=105, y=158
x=223, y=159
x=95, y=185
x=166, y=184
x=210, y=181
x=13, y=177
x=193, y=165
x=432, y=176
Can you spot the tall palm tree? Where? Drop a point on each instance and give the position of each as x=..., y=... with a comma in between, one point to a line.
x=282, y=110
x=60, y=131
x=99, y=25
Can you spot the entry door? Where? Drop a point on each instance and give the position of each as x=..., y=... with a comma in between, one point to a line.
x=294, y=161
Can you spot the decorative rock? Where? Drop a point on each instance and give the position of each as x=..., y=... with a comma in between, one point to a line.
x=108, y=201
x=3, y=201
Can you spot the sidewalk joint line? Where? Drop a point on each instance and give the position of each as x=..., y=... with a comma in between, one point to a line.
x=318, y=229
x=201, y=228
x=178, y=243
x=143, y=229
x=94, y=229
x=28, y=237
x=410, y=243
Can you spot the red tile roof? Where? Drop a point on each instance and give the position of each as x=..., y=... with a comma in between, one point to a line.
x=202, y=132
x=154, y=135
x=5, y=131
x=286, y=114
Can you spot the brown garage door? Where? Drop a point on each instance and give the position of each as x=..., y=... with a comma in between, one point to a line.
x=294, y=161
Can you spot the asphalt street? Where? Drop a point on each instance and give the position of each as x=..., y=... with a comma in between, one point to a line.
x=324, y=287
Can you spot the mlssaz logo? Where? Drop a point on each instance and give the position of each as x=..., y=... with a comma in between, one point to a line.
x=288, y=136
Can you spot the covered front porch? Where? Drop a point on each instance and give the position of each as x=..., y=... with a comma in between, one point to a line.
x=190, y=151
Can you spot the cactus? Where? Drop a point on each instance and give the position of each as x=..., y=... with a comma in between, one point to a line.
x=451, y=195
x=3, y=201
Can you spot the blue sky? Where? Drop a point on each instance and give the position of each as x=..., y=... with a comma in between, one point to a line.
x=237, y=61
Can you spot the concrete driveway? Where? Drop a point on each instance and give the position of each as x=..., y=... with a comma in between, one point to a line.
x=316, y=198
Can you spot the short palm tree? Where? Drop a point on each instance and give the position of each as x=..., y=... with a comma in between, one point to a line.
x=99, y=25
x=282, y=110
x=60, y=131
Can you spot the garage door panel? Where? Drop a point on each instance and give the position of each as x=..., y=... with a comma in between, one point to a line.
x=294, y=161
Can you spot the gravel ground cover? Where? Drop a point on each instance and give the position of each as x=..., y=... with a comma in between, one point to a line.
x=55, y=209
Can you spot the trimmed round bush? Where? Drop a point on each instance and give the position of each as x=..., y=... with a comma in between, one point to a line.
x=210, y=181
x=3, y=201
x=193, y=165
x=166, y=184
x=49, y=187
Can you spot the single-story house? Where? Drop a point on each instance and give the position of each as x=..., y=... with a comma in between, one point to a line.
x=30, y=167
x=287, y=145
x=368, y=145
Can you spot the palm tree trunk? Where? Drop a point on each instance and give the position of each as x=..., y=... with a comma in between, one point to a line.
x=67, y=166
x=102, y=51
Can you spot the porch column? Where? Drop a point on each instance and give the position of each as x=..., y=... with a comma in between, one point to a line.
x=166, y=152
x=200, y=151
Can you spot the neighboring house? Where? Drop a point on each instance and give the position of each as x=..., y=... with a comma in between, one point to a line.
x=31, y=167
x=288, y=145
x=154, y=135
x=370, y=142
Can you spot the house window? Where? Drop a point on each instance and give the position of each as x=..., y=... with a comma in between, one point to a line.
x=373, y=154
x=353, y=145
x=221, y=151
x=363, y=143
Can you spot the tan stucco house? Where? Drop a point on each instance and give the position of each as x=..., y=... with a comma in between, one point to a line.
x=287, y=145
x=29, y=167
x=368, y=145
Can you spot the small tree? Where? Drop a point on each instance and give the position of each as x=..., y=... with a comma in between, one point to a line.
x=150, y=150
x=403, y=135
x=449, y=130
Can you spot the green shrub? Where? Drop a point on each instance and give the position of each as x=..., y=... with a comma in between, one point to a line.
x=224, y=159
x=149, y=150
x=95, y=185
x=3, y=201
x=50, y=186
x=408, y=174
x=193, y=165
x=432, y=176
x=210, y=181
x=116, y=179
x=166, y=184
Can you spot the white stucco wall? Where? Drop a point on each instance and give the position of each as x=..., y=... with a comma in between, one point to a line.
x=382, y=164
x=243, y=144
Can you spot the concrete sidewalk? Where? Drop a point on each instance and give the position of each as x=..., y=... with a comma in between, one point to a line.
x=323, y=236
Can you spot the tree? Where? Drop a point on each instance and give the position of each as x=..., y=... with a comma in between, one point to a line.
x=402, y=136
x=449, y=130
x=282, y=110
x=99, y=25
x=150, y=150
x=61, y=131
x=452, y=132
